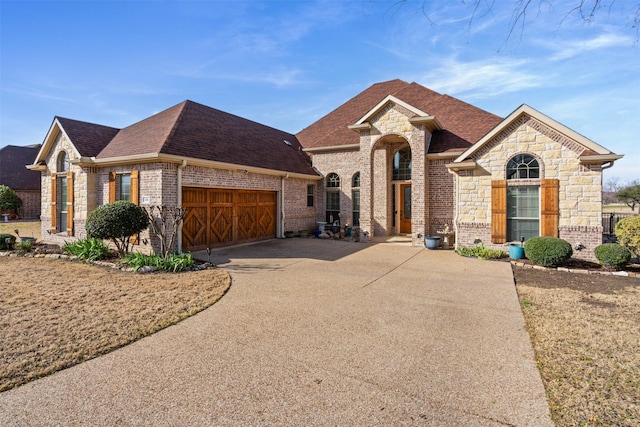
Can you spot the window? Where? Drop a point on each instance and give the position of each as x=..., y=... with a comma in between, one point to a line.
x=523, y=212
x=523, y=166
x=355, y=199
x=355, y=181
x=523, y=201
x=333, y=180
x=310, y=193
x=63, y=188
x=62, y=165
x=123, y=187
x=333, y=198
x=402, y=165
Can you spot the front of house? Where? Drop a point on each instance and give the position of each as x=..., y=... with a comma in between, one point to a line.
x=397, y=159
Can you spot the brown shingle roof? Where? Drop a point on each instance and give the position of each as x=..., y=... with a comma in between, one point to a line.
x=463, y=124
x=194, y=130
x=13, y=172
x=88, y=138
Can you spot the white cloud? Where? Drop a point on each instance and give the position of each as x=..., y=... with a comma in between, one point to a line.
x=485, y=78
x=570, y=48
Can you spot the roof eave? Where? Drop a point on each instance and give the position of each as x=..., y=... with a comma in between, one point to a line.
x=431, y=122
x=461, y=166
x=600, y=159
x=345, y=147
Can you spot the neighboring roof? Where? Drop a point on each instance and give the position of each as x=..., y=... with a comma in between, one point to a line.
x=13, y=172
x=192, y=130
x=462, y=123
x=593, y=152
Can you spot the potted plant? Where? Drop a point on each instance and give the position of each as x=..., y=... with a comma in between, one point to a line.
x=432, y=242
x=303, y=233
x=289, y=234
x=516, y=251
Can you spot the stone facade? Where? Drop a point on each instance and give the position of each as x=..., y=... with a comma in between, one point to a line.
x=558, y=157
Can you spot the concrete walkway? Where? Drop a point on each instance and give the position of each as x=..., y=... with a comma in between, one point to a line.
x=320, y=333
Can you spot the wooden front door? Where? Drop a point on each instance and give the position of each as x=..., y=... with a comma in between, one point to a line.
x=405, y=208
x=221, y=217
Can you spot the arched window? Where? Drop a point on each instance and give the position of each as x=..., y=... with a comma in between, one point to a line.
x=523, y=166
x=355, y=181
x=333, y=198
x=333, y=180
x=355, y=199
x=62, y=164
x=402, y=164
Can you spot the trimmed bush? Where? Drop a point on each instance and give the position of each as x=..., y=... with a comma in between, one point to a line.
x=628, y=233
x=9, y=200
x=3, y=241
x=613, y=255
x=117, y=222
x=548, y=251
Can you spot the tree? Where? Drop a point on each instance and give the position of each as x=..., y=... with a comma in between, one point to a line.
x=164, y=223
x=117, y=222
x=9, y=200
x=630, y=195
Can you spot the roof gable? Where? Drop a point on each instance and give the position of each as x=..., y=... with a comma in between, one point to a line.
x=591, y=149
x=461, y=124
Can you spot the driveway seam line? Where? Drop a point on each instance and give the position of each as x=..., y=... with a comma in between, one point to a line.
x=393, y=269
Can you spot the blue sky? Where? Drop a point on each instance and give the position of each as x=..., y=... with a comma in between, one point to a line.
x=287, y=63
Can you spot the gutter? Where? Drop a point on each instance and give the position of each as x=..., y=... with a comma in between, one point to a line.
x=282, y=216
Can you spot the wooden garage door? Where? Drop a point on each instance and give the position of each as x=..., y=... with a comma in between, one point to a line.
x=219, y=217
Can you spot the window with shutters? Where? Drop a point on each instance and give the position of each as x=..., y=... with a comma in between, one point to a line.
x=123, y=187
x=523, y=201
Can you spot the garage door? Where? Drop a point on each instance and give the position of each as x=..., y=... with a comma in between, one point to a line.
x=221, y=217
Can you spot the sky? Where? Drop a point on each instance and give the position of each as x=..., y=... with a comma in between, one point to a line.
x=286, y=64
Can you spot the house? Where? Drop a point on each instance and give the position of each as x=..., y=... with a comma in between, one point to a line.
x=24, y=182
x=401, y=159
x=397, y=159
x=242, y=181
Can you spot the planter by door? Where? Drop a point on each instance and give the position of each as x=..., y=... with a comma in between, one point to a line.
x=432, y=242
x=516, y=251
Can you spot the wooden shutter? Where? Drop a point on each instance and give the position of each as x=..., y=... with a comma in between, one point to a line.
x=499, y=211
x=550, y=211
x=134, y=187
x=69, y=203
x=112, y=187
x=54, y=212
x=134, y=199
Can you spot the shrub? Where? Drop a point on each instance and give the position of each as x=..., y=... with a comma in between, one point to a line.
x=9, y=200
x=173, y=263
x=87, y=249
x=628, y=233
x=548, y=251
x=117, y=222
x=3, y=241
x=24, y=246
x=613, y=255
x=479, y=251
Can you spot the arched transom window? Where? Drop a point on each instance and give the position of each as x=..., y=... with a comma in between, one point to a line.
x=523, y=166
x=333, y=180
x=402, y=164
x=63, y=162
x=355, y=181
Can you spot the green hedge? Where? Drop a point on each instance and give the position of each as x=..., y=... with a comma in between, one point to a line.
x=548, y=251
x=3, y=241
x=613, y=255
x=628, y=233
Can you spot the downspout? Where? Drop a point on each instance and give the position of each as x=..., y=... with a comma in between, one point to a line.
x=455, y=208
x=282, y=217
x=179, y=204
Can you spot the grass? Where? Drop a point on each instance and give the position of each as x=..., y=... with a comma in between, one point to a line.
x=56, y=313
x=26, y=228
x=584, y=330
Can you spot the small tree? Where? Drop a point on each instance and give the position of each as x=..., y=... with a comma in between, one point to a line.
x=9, y=200
x=117, y=222
x=630, y=195
x=628, y=233
x=164, y=223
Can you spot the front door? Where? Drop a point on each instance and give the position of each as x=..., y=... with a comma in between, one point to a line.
x=405, y=208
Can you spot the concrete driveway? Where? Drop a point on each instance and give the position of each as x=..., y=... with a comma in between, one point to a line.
x=322, y=333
